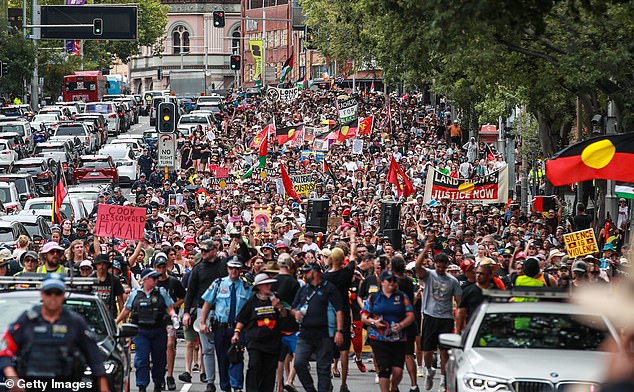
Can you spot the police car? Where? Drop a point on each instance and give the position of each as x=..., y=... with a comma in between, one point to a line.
x=20, y=293
x=528, y=346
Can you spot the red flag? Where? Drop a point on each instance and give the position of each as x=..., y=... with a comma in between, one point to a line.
x=288, y=184
x=365, y=125
x=395, y=175
x=59, y=196
x=259, y=138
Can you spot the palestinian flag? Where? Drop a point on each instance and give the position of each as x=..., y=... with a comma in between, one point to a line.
x=261, y=162
x=397, y=176
x=286, y=134
x=287, y=68
x=624, y=190
x=329, y=172
x=59, y=194
x=608, y=157
x=365, y=125
x=288, y=184
x=348, y=130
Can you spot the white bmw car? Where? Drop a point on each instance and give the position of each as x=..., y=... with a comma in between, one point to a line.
x=528, y=347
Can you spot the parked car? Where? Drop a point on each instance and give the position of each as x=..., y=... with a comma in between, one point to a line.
x=111, y=339
x=528, y=346
x=65, y=146
x=134, y=144
x=23, y=129
x=189, y=122
x=61, y=111
x=72, y=130
x=24, y=183
x=108, y=109
x=96, y=168
x=9, y=234
x=39, y=227
x=10, y=197
x=7, y=154
x=39, y=168
x=125, y=160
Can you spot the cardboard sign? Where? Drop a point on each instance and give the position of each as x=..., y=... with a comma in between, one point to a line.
x=333, y=223
x=581, y=243
x=126, y=223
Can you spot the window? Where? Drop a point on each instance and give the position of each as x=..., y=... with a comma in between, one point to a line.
x=235, y=42
x=180, y=40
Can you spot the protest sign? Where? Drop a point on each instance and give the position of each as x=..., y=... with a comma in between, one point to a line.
x=491, y=188
x=581, y=243
x=175, y=199
x=229, y=182
x=357, y=146
x=126, y=223
x=333, y=223
x=347, y=107
x=262, y=221
x=303, y=183
x=321, y=145
x=276, y=94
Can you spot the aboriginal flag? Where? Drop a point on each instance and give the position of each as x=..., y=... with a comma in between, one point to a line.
x=286, y=134
x=609, y=157
x=58, y=196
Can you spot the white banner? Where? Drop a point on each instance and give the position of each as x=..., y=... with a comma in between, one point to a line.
x=281, y=94
x=492, y=188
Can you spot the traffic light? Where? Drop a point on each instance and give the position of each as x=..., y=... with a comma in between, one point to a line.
x=235, y=62
x=166, y=117
x=97, y=26
x=219, y=18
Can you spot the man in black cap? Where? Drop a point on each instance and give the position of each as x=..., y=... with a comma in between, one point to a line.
x=81, y=232
x=311, y=303
x=108, y=287
x=117, y=198
x=140, y=185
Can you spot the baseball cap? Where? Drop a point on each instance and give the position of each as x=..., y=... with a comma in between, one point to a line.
x=149, y=273
x=53, y=281
x=467, y=264
x=580, y=266
x=85, y=263
x=385, y=275
x=311, y=267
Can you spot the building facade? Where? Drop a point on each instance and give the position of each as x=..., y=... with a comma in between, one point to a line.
x=192, y=43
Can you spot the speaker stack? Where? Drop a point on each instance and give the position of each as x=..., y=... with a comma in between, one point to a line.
x=317, y=215
x=390, y=225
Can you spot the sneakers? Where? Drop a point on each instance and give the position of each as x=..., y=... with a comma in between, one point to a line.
x=290, y=388
x=142, y=389
x=344, y=388
x=185, y=377
x=420, y=372
x=203, y=378
x=171, y=384
x=376, y=379
x=360, y=364
x=195, y=368
x=414, y=389
x=429, y=379
x=443, y=384
x=158, y=388
x=210, y=388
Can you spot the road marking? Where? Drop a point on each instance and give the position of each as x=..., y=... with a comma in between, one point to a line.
x=186, y=387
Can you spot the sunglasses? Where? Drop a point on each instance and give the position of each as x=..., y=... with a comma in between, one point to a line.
x=56, y=293
x=30, y=260
x=233, y=268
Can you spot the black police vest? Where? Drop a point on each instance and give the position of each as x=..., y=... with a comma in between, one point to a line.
x=49, y=355
x=149, y=312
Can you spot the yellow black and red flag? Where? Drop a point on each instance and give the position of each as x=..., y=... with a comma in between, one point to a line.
x=286, y=134
x=608, y=157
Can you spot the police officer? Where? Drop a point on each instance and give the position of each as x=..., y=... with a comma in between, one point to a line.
x=228, y=295
x=52, y=254
x=50, y=342
x=149, y=305
x=145, y=164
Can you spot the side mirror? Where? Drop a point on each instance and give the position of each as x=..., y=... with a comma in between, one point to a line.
x=127, y=330
x=452, y=340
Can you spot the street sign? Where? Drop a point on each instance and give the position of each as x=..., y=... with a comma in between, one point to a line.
x=167, y=150
x=112, y=22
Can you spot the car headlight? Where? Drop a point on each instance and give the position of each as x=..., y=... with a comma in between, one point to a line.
x=479, y=382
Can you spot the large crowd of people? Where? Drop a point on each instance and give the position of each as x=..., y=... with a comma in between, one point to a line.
x=238, y=286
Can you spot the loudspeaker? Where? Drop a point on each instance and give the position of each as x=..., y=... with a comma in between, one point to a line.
x=317, y=215
x=395, y=236
x=390, y=216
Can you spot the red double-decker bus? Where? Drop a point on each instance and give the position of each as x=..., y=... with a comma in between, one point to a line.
x=87, y=86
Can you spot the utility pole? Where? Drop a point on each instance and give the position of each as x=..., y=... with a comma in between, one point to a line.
x=263, y=48
x=35, y=88
x=611, y=203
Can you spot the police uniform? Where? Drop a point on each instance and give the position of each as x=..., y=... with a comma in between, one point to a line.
x=44, y=351
x=149, y=313
x=228, y=297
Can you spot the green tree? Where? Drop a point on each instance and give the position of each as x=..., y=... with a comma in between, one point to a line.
x=19, y=55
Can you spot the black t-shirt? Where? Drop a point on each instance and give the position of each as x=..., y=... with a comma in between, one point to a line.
x=262, y=329
x=108, y=290
x=173, y=286
x=342, y=279
x=355, y=286
x=369, y=286
x=317, y=299
x=286, y=288
x=580, y=222
x=472, y=298
x=463, y=281
x=406, y=285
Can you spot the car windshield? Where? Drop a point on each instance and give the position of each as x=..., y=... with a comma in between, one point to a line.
x=20, y=183
x=40, y=206
x=45, y=117
x=193, y=120
x=70, y=131
x=95, y=164
x=27, y=168
x=6, y=235
x=13, y=308
x=85, y=195
x=99, y=108
x=5, y=195
x=19, y=129
x=541, y=331
x=44, y=148
x=32, y=227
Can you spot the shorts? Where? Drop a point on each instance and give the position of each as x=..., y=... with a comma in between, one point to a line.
x=388, y=354
x=171, y=332
x=345, y=346
x=410, y=344
x=432, y=328
x=289, y=344
x=190, y=334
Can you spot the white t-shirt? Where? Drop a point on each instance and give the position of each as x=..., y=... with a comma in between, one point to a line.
x=312, y=246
